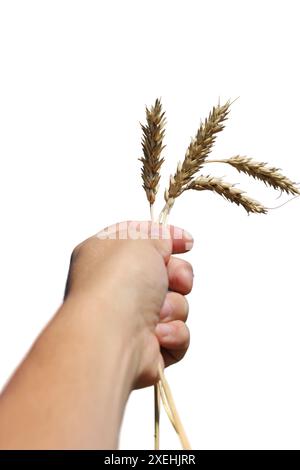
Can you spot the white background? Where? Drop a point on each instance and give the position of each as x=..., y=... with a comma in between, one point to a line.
x=75, y=78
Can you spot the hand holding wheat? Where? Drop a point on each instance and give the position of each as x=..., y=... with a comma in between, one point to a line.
x=187, y=177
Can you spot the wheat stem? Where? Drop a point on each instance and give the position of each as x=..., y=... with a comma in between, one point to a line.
x=152, y=212
x=165, y=213
x=166, y=405
x=177, y=422
x=156, y=415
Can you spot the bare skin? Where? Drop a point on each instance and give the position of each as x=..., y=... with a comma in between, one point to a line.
x=124, y=312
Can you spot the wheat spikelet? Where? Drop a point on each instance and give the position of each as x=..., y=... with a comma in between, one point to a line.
x=198, y=150
x=269, y=175
x=153, y=134
x=228, y=191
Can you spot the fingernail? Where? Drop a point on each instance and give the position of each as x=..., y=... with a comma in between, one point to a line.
x=189, y=240
x=188, y=246
x=163, y=330
x=187, y=235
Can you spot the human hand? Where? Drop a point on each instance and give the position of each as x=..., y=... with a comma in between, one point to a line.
x=138, y=290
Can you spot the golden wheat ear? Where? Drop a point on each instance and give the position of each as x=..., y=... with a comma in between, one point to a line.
x=271, y=176
x=199, y=148
x=197, y=152
x=228, y=191
x=152, y=145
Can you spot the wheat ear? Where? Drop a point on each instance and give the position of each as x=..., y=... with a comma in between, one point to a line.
x=153, y=134
x=197, y=152
x=271, y=176
x=152, y=145
x=228, y=191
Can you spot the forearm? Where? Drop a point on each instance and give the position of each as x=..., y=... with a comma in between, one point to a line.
x=71, y=390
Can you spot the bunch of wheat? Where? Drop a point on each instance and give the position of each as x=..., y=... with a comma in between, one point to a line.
x=187, y=177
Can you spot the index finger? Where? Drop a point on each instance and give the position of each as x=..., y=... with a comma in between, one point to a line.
x=168, y=239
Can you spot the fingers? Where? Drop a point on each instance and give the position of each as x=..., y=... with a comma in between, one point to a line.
x=180, y=274
x=167, y=239
x=175, y=307
x=172, y=333
x=174, y=338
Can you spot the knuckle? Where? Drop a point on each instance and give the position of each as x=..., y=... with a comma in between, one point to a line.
x=86, y=244
x=75, y=252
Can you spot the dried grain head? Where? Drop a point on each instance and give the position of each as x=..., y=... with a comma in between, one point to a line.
x=152, y=145
x=271, y=176
x=198, y=150
x=228, y=191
